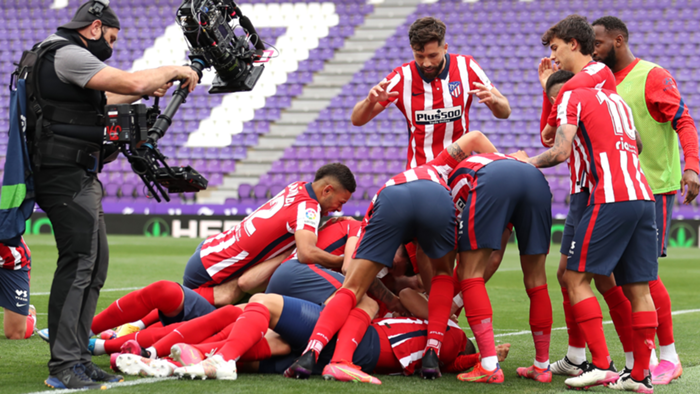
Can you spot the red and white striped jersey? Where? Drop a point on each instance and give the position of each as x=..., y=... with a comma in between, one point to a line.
x=263, y=234
x=595, y=75
x=437, y=111
x=409, y=335
x=333, y=237
x=15, y=258
x=463, y=178
x=437, y=170
x=607, y=135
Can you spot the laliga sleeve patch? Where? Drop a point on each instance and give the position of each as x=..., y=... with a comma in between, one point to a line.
x=311, y=217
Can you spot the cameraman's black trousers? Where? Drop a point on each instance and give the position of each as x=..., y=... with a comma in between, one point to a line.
x=72, y=199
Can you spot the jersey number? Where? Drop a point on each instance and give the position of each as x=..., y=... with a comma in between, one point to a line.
x=275, y=205
x=618, y=112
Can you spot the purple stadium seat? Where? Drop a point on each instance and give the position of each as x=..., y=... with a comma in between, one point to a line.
x=244, y=190
x=260, y=192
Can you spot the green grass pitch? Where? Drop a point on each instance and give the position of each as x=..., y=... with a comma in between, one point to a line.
x=138, y=261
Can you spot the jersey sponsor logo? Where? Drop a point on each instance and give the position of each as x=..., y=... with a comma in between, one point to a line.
x=455, y=89
x=21, y=293
x=440, y=115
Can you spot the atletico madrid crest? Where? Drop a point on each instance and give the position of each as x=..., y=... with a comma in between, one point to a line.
x=455, y=89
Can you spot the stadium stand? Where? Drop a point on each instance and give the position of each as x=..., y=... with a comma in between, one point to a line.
x=250, y=145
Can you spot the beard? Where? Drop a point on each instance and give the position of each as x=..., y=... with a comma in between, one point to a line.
x=434, y=73
x=611, y=59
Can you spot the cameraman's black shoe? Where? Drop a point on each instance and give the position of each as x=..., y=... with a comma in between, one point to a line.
x=302, y=368
x=430, y=368
x=73, y=378
x=98, y=375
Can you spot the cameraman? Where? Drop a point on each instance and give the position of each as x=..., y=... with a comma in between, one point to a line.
x=67, y=145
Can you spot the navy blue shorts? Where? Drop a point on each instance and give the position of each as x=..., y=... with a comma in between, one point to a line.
x=508, y=191
x=617, y=238
x=14, y=290
x=195, y=273
x=309, y=282
x=664, y=207
x=577, y=204
x=195, y=306
x=420, y=209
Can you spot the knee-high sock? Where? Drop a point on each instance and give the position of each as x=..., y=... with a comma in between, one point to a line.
x=590, y=320
x=163, y=295
x=31, y=323
x=480, y=317
x=439, y=306
x=220, y=336
x=199, y=329
x=576, y=338
x=540, y=321
x=206, y=292
x=644, y=327
x=250, y=328
x=145, y=338
x=350, y=335
x=621, y=314
x=331, y=319
x=662, y=302
x=151, y=318
x=259, y=351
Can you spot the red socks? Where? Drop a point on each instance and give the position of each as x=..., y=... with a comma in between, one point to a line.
x=479, y=314
x=576, y=338
x=540, y=321
x=621, y=314
x=439, y=305
x=163, y=295
x=259, y=351
x=350, y=335
x=249, y=329
x=151, y=318
x=332, y=318
x=199, y=329
x=644, y=327
x=590, y=320
x=145, y=338
x=31, y=323
x=206, y=292
x=662, y=302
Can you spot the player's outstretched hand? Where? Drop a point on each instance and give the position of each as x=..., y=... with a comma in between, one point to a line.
x=484, y=94
x=548, y=135
x=520, y=155
x=690, y=179
x=162, y=90
x=545, y=69
x=190, y=77
x=378, y=93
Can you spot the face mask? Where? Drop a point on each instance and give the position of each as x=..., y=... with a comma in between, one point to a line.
x=99, y=47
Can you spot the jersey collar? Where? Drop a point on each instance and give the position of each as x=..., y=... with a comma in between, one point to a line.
x=310, y=191
x=443, y=75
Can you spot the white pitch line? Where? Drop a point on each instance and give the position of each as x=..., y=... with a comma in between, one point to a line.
x=109, y=385
x=510, y=334
x=101, y=291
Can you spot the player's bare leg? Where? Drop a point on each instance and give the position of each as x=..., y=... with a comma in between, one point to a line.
x=497, y=256
x=19, y=326
x=228, y=293
x=535, y=279
x=589, y=317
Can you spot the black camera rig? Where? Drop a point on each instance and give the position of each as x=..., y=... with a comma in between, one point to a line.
x=135, y=129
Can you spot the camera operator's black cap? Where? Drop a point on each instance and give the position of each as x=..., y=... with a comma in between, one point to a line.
x=86, y=15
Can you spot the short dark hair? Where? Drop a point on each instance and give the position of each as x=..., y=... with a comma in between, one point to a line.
x=573, y=27
x=561, y=76
x=426, y=30
x=612, y=23
x=339, y=172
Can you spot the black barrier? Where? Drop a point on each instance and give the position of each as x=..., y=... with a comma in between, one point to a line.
x=683, y=234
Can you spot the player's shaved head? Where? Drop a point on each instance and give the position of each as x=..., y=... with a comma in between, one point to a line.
x=556, y=81
x=426, y=30
x=613, y=25
x=573, y=27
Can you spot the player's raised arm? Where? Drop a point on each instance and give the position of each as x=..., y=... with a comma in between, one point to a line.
x=371, y=106
x=497, y=102
x=309, y=253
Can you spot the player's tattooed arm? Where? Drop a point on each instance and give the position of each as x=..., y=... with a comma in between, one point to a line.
x=560, y=151
x=456, y=152
x=381, y=293
x=474, y=141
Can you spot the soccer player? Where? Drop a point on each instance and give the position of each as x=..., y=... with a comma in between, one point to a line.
x=414, y=204
x=662, y=118
x=617, y=231
x=572, y=43
x=494, y=190
x=291, y=217
x=434, y=92
x=19, y=319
